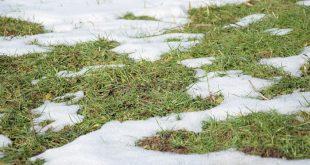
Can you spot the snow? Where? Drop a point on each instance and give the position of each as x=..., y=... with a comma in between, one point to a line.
x=70, y=22
x=305, y=2
x=246, y=21
x=197, y=62
x=60, y=115
x=4, y=142
x=278, y=32
x=151, y=51
x=200, y=73
x=18, y=46
x=74, y=97
x=36, y=81
x=114, y=143
x=230, y=83
x=70, y=74
x=291, y=64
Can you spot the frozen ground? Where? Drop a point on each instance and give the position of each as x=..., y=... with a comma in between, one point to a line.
x=70, y=22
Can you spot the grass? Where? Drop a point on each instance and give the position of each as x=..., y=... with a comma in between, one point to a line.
x=241, y=49
x=137, y=91
x=17, y=27
x=263, y=134
x=143, y=89
x=131, y=16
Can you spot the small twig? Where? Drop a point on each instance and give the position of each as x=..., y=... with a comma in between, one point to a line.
x=261, y=95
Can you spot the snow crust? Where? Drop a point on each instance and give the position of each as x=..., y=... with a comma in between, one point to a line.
x=246, y=21
x=197, y=62
x=291, y=64
x=59, y=114
x=278, y=32
x=69, y=22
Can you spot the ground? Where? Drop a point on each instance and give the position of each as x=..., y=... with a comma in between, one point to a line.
x=155, y=98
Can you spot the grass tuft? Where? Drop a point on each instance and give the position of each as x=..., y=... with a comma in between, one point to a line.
x=131, y=16
x=17, y=27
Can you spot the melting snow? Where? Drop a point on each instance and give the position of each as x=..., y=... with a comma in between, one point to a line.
x=200, y=73
x=114, y=143
x=70, y=74
x=83, y=20
x=246, y=21
x=36, y=81
x=230, y=84
x=290, y=64
x=278, y=32
x=60, y=114
x=4, y=142
x=305, y=3
x=197, y=62
x=74, y=97
x=71, y=22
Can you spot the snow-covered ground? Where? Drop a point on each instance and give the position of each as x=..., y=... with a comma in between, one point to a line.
x=70, y=22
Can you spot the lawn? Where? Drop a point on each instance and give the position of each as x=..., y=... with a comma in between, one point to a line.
x=142, y=89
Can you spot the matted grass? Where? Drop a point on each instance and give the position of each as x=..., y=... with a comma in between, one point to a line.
x=142, y=89
x=131, y=16
x=263, y=134
x=17, y=27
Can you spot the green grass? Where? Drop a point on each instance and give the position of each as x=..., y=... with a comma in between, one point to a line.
x=17, y=27
x=241, y=49
x=137, y=91
x=263, y=134
x=131, y=16
x=143, y=89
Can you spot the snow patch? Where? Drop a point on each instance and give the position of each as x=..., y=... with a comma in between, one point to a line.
x=36, y=81
x=197, y=62
x=290, y=64
x=200, y=73
x=60, y=115
x=304, y=3
x=230, y=83
x=246, y=21
x=70, y=74
x=74, y=97
x=278, y=32
x=4, y=142
x=151, y=51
